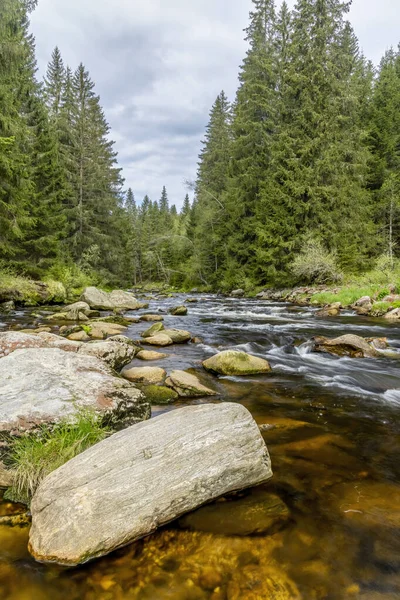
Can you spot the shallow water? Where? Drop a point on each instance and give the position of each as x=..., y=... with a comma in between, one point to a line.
x=334, y=441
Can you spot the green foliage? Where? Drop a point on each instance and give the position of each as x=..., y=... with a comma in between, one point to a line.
x=72, y=278
x=35, y=455
x=315, y=264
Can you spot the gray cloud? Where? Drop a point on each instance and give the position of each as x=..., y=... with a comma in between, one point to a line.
x=158, y=67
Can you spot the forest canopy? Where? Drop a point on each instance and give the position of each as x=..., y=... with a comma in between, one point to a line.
x=298, y=178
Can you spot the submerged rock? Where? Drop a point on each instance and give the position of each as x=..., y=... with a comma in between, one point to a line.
x=345, y=345
x=145, y=375
x=139, y=479
x=232, y=362
x=178, y=311
x=188, y=385
x=150, y=318
x=46, y=386
x=367, y=503
x=260, y=512
x=100, y=300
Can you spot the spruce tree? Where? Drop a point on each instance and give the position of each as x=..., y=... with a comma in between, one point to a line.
x=16, y=185
x=385, y=146
x=54, y=84
x=254, y=124
x=209, y=212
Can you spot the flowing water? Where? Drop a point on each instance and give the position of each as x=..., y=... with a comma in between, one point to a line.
x=333, y=432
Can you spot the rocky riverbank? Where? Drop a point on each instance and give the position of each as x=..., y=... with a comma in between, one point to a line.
x=375, y=302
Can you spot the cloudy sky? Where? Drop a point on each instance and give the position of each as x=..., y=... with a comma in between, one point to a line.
x=158, y=66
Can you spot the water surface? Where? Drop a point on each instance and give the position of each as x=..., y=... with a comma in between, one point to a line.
x=333, y=432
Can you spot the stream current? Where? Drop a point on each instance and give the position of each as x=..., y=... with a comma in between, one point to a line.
x=333, y=431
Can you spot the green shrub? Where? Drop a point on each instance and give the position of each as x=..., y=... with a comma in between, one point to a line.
x=35, y=455
x=315, y=264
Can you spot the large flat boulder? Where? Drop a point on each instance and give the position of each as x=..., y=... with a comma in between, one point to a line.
x=46, y=386
x=17, y=340
x=232, y=362
x=139, y=479
x=100, y=300
x=345, y=345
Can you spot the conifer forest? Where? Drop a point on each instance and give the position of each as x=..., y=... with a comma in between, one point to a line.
x=303, y=162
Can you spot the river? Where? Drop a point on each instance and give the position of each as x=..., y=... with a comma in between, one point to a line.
x=333, y=431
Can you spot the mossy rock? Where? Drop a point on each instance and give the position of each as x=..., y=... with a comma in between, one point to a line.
x=232, y=362
x=156, y=328
x=117, y=320
x=159, y=394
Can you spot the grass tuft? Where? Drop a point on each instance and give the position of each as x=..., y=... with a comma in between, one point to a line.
x=35, y=455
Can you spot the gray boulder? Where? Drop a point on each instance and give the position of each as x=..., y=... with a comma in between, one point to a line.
x=17, y=340
x=46, y=386
x=393, y=315
x=100, y=300
x=116, y=354
x=139, y=479
x=238, y=293
x=188, y=385
x=345, y=345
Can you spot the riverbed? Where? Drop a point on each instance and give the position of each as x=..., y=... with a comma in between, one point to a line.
x=333, y=431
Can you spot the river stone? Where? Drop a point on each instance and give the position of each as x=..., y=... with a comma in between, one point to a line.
x=159, y=394
x=178, y=336
x=365, y=300
x=7, y=307
x=114, y=353
x=99, y=330
x=6, y=477
x=149, y=355
x=367, y=503
x=139, y=479
x=393, y=315
x=77, y=306
x=232, y=362
x=100, y=300
x=46, y=386
x=178, y=311
x=79, y=336
x=145, y=375
x=238, y=293
x=259, y=513
x=158, y=340
x=151, y=318
x=345, y=345
x=188, y=385
x=156, y=328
